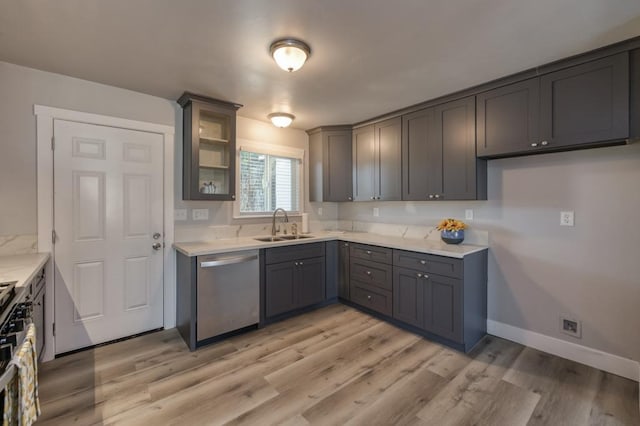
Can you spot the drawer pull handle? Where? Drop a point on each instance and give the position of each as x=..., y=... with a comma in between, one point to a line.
x=368, y=297
x=368, y=251
x=368, y=272
x=423, y=262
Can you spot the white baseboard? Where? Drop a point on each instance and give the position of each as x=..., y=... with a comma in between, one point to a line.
x=592, y=357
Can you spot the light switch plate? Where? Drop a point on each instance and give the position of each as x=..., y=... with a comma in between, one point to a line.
x=468, y=214
x=200, y=214
x=566, y=218
x=180, y=214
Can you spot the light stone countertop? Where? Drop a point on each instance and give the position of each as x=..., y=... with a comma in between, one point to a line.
x=198, y=248
x=21, y=267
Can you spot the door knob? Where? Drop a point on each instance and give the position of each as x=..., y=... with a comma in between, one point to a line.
x=156, y=246
x=156, y=235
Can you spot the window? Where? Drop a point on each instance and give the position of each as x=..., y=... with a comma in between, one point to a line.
x=269, y=178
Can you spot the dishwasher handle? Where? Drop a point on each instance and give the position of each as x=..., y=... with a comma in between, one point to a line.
x=228, y=261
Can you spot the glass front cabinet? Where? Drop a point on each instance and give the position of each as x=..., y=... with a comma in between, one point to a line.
x=209, y=155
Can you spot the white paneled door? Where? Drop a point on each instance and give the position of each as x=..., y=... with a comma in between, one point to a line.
x=108, y=216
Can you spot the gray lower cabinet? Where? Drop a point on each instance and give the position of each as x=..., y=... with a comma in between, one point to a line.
x=294, y=278
x=587, y=104
x=377, y=161
x=443, y=296
x=370, y=277
x=330, y=174
x=343, y=270
x=439, y=154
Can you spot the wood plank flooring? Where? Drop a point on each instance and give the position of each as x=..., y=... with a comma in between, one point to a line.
x=333, y=366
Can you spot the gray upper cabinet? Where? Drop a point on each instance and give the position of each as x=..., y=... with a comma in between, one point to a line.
x=586, y=104
x=583, y=105
x=439, y=154
x=508, y=118
x=209, y=148
x=377, y=161
x=330, y=174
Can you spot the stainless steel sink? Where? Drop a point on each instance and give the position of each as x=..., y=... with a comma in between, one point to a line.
x=295, y=237
x=268, y=239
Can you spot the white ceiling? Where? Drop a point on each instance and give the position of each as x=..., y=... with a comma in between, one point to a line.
x=368, y=57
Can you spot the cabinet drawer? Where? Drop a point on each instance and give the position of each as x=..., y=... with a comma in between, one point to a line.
x=441, y=265
x=372, y=297
x=373, y=273
x=375, y=253
x=295, y=252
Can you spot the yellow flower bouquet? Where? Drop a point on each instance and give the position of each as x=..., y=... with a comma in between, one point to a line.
x=452, y=230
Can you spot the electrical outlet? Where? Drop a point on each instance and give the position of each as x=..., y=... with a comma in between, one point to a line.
x=200, y=214
x=468, y=214
x=180, y=214
x=571, y=326
x=376, y=212
x=566, y=218
x=319, y=211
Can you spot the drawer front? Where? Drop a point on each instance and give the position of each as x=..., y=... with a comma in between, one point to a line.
x=372, y=273
x=293, y=252
x=441, y=265
x=372, y=297
x=374, y=253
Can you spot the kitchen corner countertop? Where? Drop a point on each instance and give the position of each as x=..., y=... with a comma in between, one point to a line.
x=198, y=248
x=21, y=267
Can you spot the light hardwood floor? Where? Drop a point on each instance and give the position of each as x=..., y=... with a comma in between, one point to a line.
x=332, y=366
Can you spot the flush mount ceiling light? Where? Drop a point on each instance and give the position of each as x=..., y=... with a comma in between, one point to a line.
x=290, y=54
x=281, y=119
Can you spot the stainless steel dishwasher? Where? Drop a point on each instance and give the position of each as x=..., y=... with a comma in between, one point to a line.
x=228, y=293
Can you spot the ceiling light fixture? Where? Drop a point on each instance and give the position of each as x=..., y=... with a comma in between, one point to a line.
x=281, y=119
x=290, y=54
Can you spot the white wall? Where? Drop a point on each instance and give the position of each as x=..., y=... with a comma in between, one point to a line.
x=538, y=269
x=20, y=89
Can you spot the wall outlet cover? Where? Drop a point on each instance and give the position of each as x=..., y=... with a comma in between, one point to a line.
x=376, y=212
x=200, y=214
x=180, y=214
x=319, y=211
x=566, y=218
x=571, y=326
x=468, y=214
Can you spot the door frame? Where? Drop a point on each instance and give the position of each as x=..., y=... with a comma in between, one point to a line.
x=45, y=117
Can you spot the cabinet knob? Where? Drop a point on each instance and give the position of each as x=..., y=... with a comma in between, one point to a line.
x=350, y=198
x=346, y=244
x=368, y=272
x=373, y=198
x=295, y=263
x=534, y=144
x=423, y=262
x=377, y=198
x=437, y=196
x=233, y=197
x=368, y=297
x=419, y=275
x=425, y=276
x=301, y=263
x=368, y=251
x=544, y=143
x=430, y=196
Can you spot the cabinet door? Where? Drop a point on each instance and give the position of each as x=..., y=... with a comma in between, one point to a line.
x=585, y=104
x=280, y=288
x=408, y=296
x=455, y=125
x=508, y=119
x=363, y=163
x=343, y=270
x=310, y=281
x=337, y=166
x=210, y=146
x=443, y=307
x=388, y=170
x=421, y=154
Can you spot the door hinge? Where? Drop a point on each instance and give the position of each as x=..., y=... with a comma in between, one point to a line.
x=53, y=236
x=54, y=328
x=53, y=143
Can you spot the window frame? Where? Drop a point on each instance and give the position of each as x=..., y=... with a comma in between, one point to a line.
x=274, y=150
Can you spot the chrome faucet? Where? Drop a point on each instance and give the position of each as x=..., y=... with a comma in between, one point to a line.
x=273, y=222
